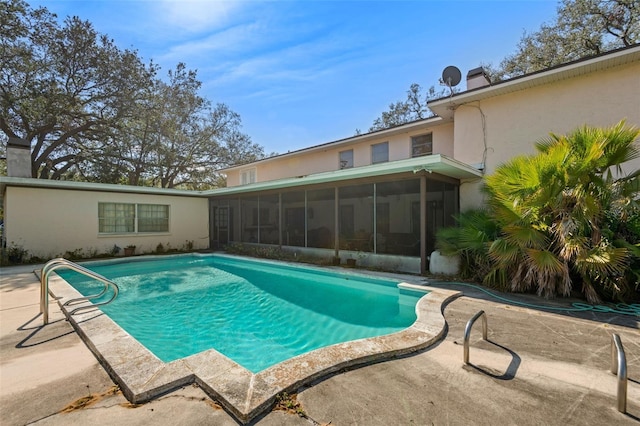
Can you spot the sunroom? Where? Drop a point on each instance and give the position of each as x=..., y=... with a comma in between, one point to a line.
x=386, y=215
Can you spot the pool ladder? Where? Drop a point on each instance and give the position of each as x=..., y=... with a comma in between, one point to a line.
x=59, y=263
x=618, y=358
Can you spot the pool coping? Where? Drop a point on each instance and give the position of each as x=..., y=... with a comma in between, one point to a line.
x=142, y=376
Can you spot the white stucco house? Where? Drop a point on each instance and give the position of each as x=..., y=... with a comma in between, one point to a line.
x=379, y=196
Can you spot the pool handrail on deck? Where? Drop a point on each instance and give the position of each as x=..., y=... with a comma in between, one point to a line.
x=59, y=263
x=619, y=367
x=467, y=332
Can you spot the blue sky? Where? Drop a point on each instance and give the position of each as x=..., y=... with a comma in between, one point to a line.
x=301, y=73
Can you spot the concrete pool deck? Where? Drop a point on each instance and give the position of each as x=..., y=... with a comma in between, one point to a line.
x=142, y=376
x=538, y=367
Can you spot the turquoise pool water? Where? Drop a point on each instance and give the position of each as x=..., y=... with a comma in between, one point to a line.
x=256, y=313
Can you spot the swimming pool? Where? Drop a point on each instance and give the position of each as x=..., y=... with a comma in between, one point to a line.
x=142, y=375
x=256, y=313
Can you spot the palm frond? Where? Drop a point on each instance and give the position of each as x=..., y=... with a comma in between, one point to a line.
x=547, y=272
x=525, y=235
x=504, y=253
x=496, y=278
x=603, y=261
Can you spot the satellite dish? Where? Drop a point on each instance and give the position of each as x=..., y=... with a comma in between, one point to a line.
x=451, y=76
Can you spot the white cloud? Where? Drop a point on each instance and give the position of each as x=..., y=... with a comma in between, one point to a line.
x=254, y=51
x=268, y=51
x=194, y=16
x=232, y=40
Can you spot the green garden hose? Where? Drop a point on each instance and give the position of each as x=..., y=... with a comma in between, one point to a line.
x=620, y=308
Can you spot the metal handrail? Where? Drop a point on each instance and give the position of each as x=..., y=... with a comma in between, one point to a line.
x=619, y=367
x=60, y=262
x=467, y=332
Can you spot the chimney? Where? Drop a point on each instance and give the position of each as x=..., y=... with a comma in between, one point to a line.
x=477, y=77
x=18, y=158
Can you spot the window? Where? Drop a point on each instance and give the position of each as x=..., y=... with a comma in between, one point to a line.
x=422, y=145
x=129, y=218
x=380, y=153
x=116, y=218
x=346, y=159
x=153, y=218
x=248, y=176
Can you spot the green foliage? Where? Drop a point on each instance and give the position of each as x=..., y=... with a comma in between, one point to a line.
x=470, y=240
x=558, y=219
x=14, y=254
x=414, y=107
x=76, y=254
x=289, y=403
x=95, y=112
x=179, y=139
x=582, y=28
x=64, y=87
x=624, y=232
x=265, y=252
x=277, y=253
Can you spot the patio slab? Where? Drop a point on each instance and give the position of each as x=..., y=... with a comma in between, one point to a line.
x=538, y=367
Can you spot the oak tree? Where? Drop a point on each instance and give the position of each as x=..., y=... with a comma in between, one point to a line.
x=581, y=28
x=64, y=88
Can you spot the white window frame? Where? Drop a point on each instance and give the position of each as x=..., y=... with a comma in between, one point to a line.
x=373, y=153
x=248, y=176
x=135, y=219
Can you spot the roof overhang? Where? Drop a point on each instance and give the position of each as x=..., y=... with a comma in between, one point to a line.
x=445, y=107
x=89, y=186
x=413, y=126
x=436, y=163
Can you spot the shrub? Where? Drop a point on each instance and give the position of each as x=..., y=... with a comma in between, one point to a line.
x=558, y=219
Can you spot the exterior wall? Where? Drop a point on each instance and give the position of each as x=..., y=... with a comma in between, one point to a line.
x=327, y=159
x=514, y=122
x=47, y=222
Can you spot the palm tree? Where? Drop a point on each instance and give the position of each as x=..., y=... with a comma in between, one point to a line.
x=558, y=215
x=470, y=240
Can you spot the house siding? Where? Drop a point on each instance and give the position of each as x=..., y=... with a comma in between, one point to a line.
x=60, y=220
x=327, y=159
x=514, y=122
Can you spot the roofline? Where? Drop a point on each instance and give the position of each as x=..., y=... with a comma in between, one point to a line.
x=430, y=163
x=444, y=106
x=402, y=128
x=90, y=186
